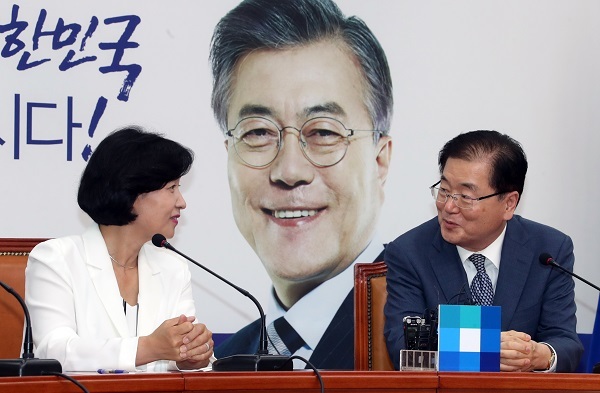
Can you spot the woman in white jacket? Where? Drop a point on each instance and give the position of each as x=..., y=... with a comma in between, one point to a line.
x=108, y=299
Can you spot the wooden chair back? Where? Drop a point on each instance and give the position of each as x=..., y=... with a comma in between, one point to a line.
x=13, y=260
x=370, y=293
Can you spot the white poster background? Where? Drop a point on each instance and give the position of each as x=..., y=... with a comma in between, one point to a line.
x=523, y=67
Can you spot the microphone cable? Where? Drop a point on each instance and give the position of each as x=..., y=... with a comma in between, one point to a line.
x=462, y=293
x=68, y=378
x=308, y=363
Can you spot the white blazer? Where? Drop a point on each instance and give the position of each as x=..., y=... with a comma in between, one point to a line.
x=76, y=308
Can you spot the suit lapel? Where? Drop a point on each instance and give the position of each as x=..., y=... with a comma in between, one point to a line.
x=103, y=278
x=150, y=295
x=380, y=257
x=336, y=348
x=451, y=277
x=515, y=264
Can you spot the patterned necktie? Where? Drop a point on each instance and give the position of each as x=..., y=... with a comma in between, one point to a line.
x=481, y=286
x=283, y=339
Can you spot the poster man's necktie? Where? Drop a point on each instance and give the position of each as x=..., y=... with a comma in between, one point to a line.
x=283, y=339
x=481, y=286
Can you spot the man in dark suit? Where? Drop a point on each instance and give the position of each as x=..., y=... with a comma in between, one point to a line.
x=304, y=97
x=478, y=249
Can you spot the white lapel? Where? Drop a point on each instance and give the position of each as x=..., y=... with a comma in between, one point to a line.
x=151, y=295
x=103, y=278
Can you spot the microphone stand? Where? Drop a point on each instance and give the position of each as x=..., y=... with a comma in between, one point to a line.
x=546, y=259
x=262, y=360
x=28, y=365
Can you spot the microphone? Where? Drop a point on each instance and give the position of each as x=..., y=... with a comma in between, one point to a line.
x=262, y=360
x=546, y=259
x=28, y=364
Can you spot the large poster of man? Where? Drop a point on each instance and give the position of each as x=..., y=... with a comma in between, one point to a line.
x=70, y=73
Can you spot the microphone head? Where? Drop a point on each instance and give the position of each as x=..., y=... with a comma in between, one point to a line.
x=159, y=240
x=546, y=259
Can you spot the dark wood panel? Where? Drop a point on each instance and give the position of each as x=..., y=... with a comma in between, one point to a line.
x=18, y=245
x=304, y=381
x=518, y=382
x=113, y=383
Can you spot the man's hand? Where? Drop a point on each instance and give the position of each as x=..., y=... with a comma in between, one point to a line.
x=518, y=352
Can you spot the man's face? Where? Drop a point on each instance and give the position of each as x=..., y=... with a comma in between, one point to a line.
x=339, y=205
x=473, y=229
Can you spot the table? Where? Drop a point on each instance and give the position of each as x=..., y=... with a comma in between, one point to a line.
x=305, y=381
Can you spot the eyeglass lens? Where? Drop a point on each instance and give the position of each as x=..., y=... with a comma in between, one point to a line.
x=323, y=140
x=461, y=201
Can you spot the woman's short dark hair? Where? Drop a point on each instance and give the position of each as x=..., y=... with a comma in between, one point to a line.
x=127, y=163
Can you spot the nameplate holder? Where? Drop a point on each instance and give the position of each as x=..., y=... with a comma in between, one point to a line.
x=416, y=360
x=469, y=338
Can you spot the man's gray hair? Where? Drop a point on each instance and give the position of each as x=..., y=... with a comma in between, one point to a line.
x=281, y=24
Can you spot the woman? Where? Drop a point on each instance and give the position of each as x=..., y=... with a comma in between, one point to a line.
x=107, y=298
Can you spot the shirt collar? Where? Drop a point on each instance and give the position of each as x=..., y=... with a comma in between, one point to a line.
x=491, y=252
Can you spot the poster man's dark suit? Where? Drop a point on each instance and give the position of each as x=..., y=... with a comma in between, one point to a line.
x=335, y=350
x=424, y=271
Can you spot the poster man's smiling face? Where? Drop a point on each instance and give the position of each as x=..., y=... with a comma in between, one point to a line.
x=306, y=223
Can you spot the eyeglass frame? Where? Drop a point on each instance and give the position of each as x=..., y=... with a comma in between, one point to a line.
x=455, y=197
x=301, y=142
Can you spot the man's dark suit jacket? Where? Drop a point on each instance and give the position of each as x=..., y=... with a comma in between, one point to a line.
x=424, y=271
x=335, y=351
